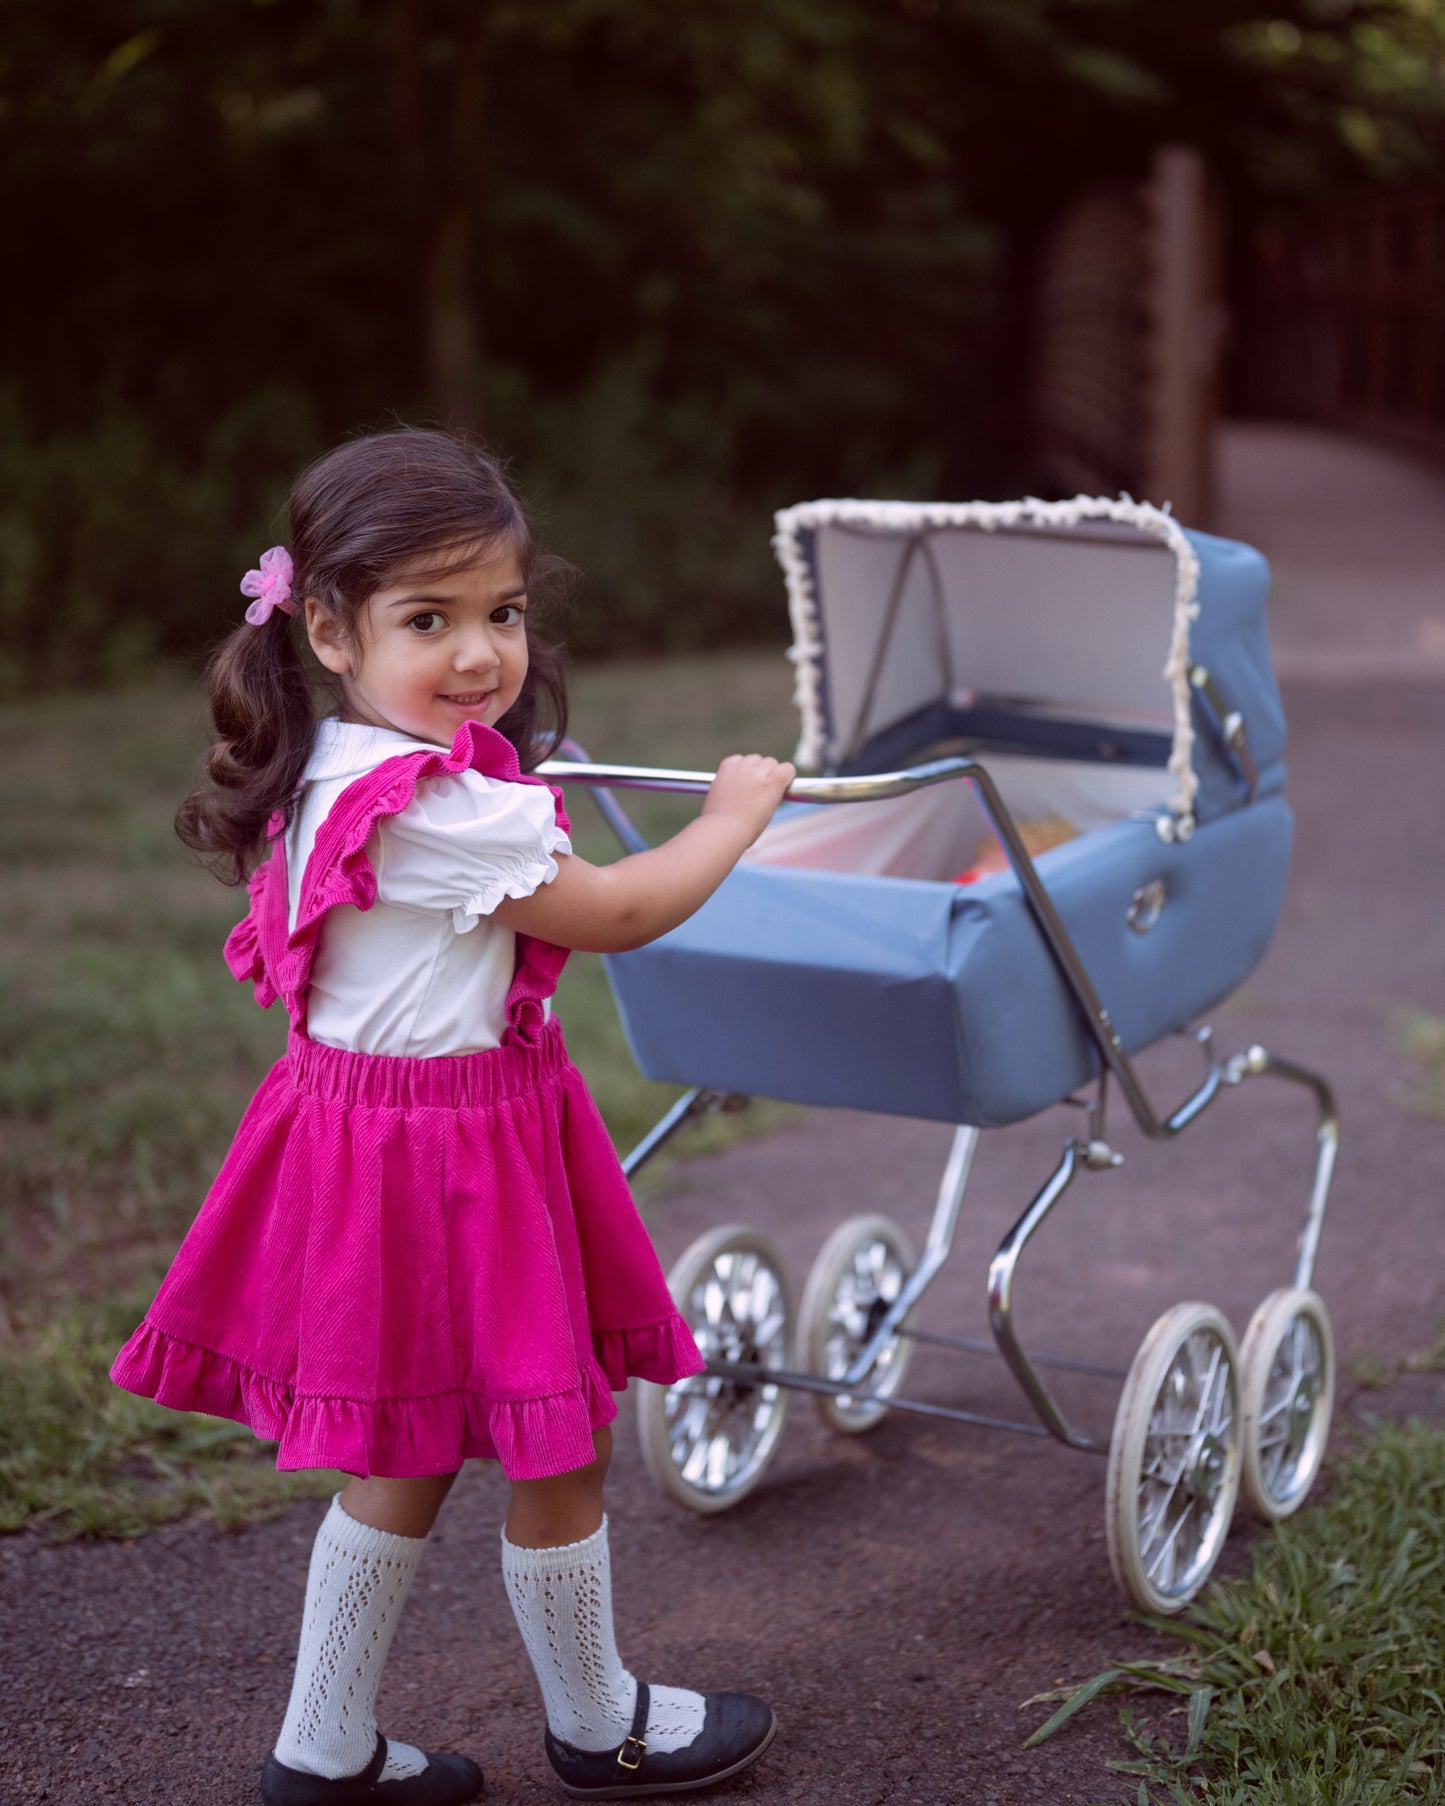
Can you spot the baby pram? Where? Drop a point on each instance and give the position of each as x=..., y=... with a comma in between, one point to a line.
x=961, y=669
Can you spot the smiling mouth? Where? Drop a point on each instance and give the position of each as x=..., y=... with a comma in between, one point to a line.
x=470, y=700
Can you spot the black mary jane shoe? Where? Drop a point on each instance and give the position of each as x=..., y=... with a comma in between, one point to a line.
x=445, y=1781
x=736, y=1730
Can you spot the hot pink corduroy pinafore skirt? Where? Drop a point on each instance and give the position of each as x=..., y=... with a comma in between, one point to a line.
x=404, y=1263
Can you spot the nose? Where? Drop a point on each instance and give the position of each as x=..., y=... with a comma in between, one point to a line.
x=476, y=652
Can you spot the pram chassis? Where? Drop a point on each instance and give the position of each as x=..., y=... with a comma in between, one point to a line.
x=1234, y=1431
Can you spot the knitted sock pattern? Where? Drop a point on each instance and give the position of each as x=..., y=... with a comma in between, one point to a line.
x=355, y=1590
x=562, y=1601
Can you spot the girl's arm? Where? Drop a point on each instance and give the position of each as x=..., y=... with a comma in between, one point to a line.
x=611, y=908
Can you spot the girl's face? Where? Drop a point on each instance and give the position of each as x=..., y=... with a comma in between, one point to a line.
x=430, y=650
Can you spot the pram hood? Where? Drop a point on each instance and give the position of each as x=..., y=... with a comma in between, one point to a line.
x=1078, y=622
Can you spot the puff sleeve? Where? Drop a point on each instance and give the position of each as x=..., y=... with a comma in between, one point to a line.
x=466, y=843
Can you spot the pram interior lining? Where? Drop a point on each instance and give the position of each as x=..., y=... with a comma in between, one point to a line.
x=935, y=834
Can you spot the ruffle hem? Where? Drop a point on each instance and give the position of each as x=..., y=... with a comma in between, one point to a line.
x=405, y=1438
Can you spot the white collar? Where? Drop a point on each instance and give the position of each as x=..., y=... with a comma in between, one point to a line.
x=348, y=749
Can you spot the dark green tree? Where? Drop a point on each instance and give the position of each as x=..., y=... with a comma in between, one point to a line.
x=686, y=263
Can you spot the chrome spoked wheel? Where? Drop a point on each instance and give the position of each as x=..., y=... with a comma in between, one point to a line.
x=707, y=1440
x=1287, y=1382
x=858, y=1274
x=1174, y=1460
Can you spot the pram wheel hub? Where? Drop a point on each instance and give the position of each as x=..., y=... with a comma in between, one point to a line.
x=1205, y=1467
x=707, y=1440
x=859, y=1273
x=1174, y=1460
x=1287, y=1382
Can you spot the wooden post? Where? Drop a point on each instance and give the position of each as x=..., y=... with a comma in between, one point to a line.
x=1186, y=323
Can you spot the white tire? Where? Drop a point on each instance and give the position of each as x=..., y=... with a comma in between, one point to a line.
x=859, y=1271
x=1287, y=1384
x=1174, y=1459
x=707, y=1440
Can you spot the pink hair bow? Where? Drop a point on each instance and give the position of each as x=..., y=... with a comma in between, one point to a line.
x=271, y=586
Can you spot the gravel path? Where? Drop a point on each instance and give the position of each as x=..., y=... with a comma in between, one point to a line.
x=899, y=1596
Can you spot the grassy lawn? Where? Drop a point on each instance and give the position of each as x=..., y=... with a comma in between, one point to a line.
x=127, y=1055
x=1319, y=1676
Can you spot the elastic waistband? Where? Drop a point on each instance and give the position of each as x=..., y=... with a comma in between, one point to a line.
x=447, y=1082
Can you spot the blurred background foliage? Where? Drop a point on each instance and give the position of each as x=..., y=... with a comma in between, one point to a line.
x=683, y=264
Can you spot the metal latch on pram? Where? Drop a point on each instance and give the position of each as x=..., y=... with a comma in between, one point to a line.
x=1231, y=728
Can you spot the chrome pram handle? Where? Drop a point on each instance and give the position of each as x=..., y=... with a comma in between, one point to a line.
x=875, y=787
x=870, y=788
x=878, y=786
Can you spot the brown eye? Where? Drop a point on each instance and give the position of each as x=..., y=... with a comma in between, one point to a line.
x=510, y=614
x=425, y=623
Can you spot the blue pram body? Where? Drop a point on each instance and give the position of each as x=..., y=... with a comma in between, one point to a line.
x=902, y=991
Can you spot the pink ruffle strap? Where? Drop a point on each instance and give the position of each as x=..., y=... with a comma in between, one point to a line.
x=243, y=956
x=339, y=872
x=246, y=950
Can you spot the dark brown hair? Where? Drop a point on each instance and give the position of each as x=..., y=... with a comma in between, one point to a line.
x=358, y=514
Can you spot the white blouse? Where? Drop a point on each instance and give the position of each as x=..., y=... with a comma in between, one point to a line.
x=423, y=972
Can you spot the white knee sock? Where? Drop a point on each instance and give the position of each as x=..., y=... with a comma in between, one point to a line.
x=562, y=1599
x=355, y=1590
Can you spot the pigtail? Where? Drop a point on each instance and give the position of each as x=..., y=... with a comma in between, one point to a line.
x=261, y=706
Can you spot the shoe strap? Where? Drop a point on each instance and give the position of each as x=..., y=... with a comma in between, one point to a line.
x=377, y=1763
x=634, y=1744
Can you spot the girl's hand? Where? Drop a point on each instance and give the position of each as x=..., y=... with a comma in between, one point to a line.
x=609, y=908
x=749, y=787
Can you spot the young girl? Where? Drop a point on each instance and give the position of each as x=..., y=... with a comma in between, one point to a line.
x=421, y=1248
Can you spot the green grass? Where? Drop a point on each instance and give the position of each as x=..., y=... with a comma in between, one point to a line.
x=1320, y=1676
x=127, y=1056
x=84, y=1459
x=1424, y=1039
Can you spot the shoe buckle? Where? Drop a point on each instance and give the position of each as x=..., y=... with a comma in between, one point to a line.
x=629, y=1746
